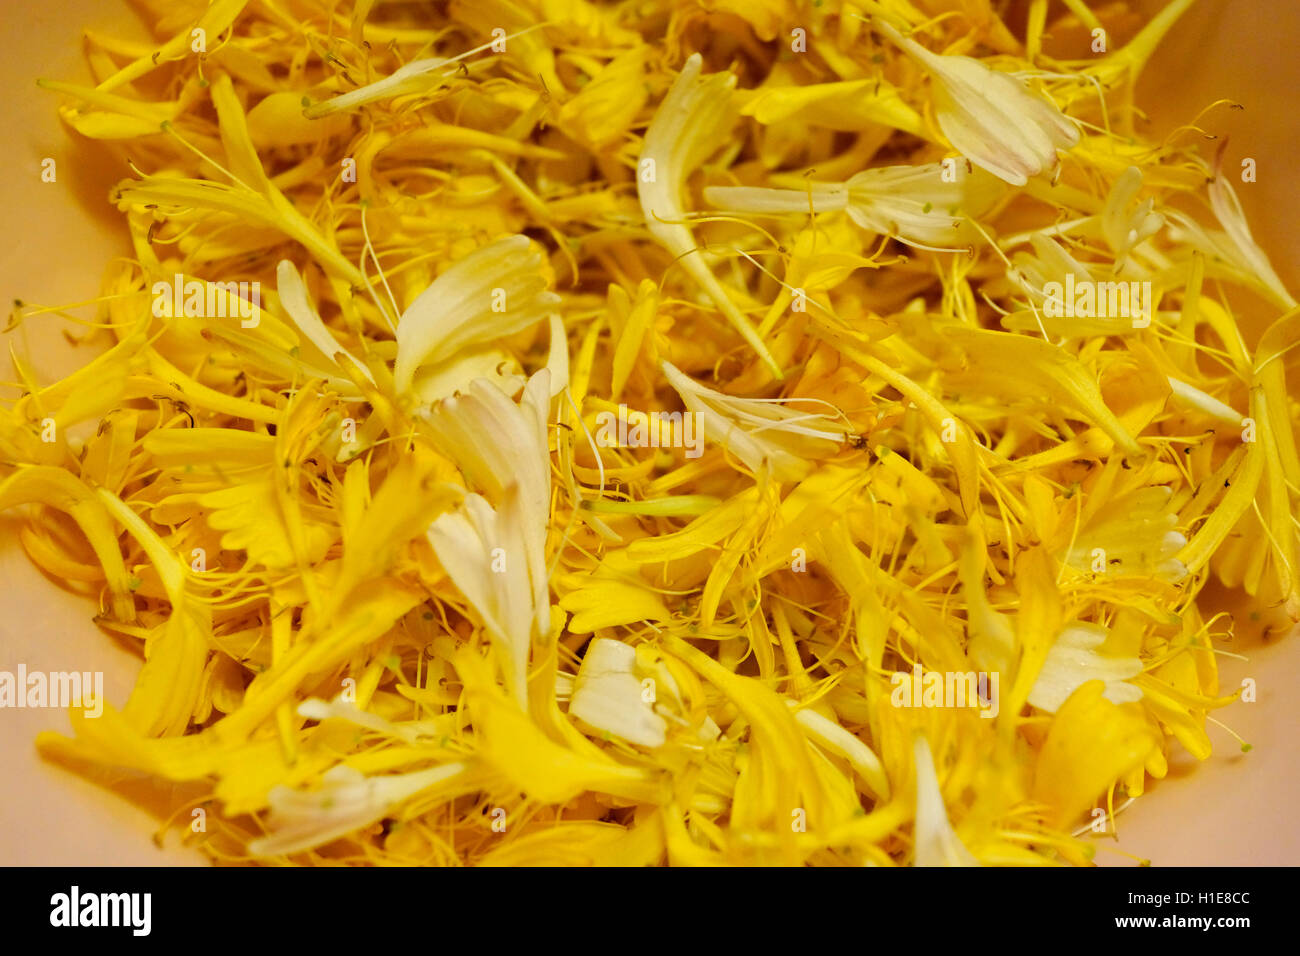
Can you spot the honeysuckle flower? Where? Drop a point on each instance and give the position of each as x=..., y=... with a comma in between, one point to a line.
x=611, y=596
x=992, y=639
x=496, y=557
x=839, y=741
x=1074, y=660
x=482, y=550
x=1051, y=262
x=412, y=77
x=1090, y=744
x=848, y=105
x=607, y=106
x=115, y=117
x=918, y=206
x=936, y=843
x=521, y=752
x=502, y=449
x=493, y=292
x=780, y=772
x=761, y=433
x=253, y=200
x=422, y=75
x=1126, y=63
x=1123, y=227
x=911, y=203
x=346, y=801
x=293, y=297
x=313, y=708
x=687, y=127
x=1208, y=404
x=609, y=695
x=1070, y=299
x=1234, y=245
x=163, y=699
x=266, y=510
x=56, y=488
x=1132, y=536
x=1020, y=366
x=990, y=117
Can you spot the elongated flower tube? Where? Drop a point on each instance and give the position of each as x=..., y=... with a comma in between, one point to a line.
x=412, y=77
x=759, y=432
x=685, y=130
x=1241, y=246
x=991, y=118
x=493, y=292
x=1208, y=404
x=914, y=204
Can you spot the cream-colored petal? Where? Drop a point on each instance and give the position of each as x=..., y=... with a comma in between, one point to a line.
x=759, y=432
x=495, y=291
x=991, y=118
x=937, y=844
x=608, y=695
x=346, y=801
x=1073, y=661
x=691, y=122
x=293, y=297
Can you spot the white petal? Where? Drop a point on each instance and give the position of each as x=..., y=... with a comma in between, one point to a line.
x=1073, y=660
x=482, y=550
x=346, y=801
x=915, y=204
x=838, y=740
x=693, y=119
x=1206, y=403
x=293, y=297
x=393, y=85
x=990, y=117
x=457, y=311
x=758, y=432
x=607, y=695
x=936, y=843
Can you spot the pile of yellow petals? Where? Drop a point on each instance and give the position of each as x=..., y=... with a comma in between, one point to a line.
x=401, y=600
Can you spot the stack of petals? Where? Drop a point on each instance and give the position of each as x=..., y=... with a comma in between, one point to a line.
x=565, y=432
